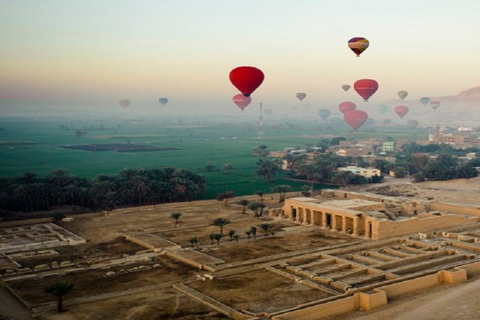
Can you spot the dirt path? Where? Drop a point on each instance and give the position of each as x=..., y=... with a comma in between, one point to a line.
x=11, y=307
x=459, y=302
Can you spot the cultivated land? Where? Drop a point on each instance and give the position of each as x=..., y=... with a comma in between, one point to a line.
x=298, y=266
x=34, y=145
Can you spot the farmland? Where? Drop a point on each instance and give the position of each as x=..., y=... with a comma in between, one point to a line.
x=29, y=144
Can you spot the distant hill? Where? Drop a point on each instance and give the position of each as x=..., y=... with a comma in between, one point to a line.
x=461, y=109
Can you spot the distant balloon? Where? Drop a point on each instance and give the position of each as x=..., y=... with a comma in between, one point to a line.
x=301, y=96
x=401, y=110
x=268, y=111
x=347, y=106
x=412, y=124
x=124, y=103
x=355, y=118
x=246, y=79
x=383, y=109
x=358, y=45
x=241, y=101
x=324, y=113
x=163, y=101
x=424, y=100
x=435, y=104
x=402, y=94
x=365, y=88
x=346, y=87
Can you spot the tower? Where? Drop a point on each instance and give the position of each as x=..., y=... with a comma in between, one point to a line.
x=261, y=130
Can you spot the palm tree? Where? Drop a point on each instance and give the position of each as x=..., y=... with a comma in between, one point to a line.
x=59, y=289
x=176, y=216
x=217, y=237
x=226, y=196
x=268, y=168
x=248, y=233
x=260, y=194
x=221, y=222
x=282, y=189
x=193, y=241
x=257, y=208
x=212, y=237
x=266, y=227
x=253, y=231
x=244, y=203
x=231, y=233
x=236, y=237
x=141, y=187
x=227, y=168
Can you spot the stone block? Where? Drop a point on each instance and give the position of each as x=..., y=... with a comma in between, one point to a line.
x=41, y=267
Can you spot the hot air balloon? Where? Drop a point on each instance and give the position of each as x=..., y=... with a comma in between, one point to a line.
x=355, y=118
x=424, y=100
x=241, y=101
x=412, y=124
x=163, y=101
x=401, y=110
x=301, y=96
x=124, y=102
x=365, y=88
x=435, y=104
x=383, y=109
x=347, y=106
x=324, y=113
x=402, y=94
x=358, y=45
x=346, y=87
x=246, y=79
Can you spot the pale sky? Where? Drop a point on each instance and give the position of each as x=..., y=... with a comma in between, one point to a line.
x=92, y=53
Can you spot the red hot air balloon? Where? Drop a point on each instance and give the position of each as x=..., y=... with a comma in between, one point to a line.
x=241, y=101
x=355, y=118
x=347, y=106
x=401, y=110
x=365, y=88
x=246, y=79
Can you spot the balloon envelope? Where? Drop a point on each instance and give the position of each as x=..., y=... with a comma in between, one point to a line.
x=383, y=109
x=347, y=106
x=355, y=118
x=435, y=104
x=163, y=101
x=401, y=110
x=301, y=96
x=246, y=79
x=365, y=88
x=412, y=124
x=402, y=94
x=124, y=102
x=358, y=45
x=241, y=101
x=424, y=100
x=324, y=113
x=346, y=87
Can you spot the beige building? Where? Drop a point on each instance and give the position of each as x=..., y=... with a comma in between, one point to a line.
x=366, y=172
x=372, y=217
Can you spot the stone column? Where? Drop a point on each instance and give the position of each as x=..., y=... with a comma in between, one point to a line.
x=334, y=222
x=355, y=226
x=344, y=224
x=324, y=219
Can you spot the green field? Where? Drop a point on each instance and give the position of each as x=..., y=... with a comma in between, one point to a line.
x=219, y=142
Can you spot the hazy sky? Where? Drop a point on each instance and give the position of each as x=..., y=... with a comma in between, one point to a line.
x=92, y=53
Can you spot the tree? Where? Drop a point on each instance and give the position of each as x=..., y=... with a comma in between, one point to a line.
x=226, y=196
x=257, y=208
x=266, y=227
x=210, y=167
x=311, y=172
x=231, y=234
x=244, y=203
x=212, y=238
x=260, y=151
x=227, y=168
x=217, y=237
x=248, y=233
x=59, y=289
x=236, y=237
x=260, y=194
x=220, y=222
x=193, y=241
x=282, y=189
x=253, y=231
x=268, y=168
x=176, y=216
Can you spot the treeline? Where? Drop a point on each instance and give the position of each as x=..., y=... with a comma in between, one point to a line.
x=30, y=192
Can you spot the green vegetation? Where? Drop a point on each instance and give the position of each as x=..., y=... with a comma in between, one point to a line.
x=59, y=289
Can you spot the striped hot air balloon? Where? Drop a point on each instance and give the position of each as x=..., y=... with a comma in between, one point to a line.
x=358, y=45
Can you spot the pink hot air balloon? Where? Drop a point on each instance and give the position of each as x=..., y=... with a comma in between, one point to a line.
x=347, y=106
x=355, y=118
x=241, y=101
x=401, y=110
x=434, y=104
x=365, y=88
